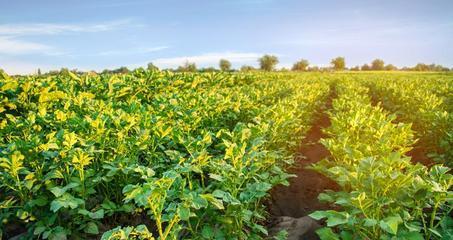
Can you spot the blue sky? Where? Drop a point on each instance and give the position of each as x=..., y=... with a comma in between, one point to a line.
x=94, y=35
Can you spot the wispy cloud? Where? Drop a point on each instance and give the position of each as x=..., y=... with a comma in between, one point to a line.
x=14, y=46
x=52, y=29
x=209, y=59
x=109, y=53
x=11, y=35
x=133, y=51
x=12, y=66
x=368, y=34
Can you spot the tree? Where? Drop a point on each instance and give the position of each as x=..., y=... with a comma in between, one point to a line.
x=208, y=69
x=377, y=64
x=365, y=67
x=123, y=70
x=39, y=71
x=431, y=67
x=187, y=67
x=356, y=68
x=390, y=67
x=152, y=67
x=338, y=63
x=437, y=68
x=421, y=67
x=247, y=68
x=225, y=65
x=300, y=65
x=268, y=62
x=313, y=69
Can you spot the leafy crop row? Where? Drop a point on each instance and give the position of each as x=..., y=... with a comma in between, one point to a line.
x=180, y=155
x=383, y=195
x=425, y=102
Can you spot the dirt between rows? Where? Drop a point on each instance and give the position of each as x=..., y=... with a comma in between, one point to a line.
x=288, y=206
x=419, y=154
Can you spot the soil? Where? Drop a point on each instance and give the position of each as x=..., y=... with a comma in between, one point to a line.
x=300, y=198
x=419, y=155
x=14, y=230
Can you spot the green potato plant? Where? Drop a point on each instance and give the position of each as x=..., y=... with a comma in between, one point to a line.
x=383, y=195
x=193, y=153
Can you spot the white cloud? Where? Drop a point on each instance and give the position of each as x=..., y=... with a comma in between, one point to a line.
x=12, y=66
x=14, y=46
x=367, y=34
x=203, y=60
x=51, y=29
x=133, y=51
x=209, y=59
x=154, y=49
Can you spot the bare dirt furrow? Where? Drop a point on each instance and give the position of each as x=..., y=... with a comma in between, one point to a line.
x=289, y=205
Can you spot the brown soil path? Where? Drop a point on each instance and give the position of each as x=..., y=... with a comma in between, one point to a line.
x=300, y=198
x=418, y=155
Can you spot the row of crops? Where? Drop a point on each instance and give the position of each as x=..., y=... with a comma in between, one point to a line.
x=148, y=154
x=383, y=195
x=427, y=104
x=162, y=155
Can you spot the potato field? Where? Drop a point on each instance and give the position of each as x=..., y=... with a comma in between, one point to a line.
x=161, y=155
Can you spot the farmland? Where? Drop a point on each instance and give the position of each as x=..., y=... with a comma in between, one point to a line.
x=161, y=155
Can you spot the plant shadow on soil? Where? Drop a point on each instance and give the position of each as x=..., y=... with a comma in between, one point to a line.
x=300, y=198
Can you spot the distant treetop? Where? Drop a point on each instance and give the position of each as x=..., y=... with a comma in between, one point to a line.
x=338, y=63
x=268, y=62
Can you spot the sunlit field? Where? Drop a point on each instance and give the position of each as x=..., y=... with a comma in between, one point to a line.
x=153, y=154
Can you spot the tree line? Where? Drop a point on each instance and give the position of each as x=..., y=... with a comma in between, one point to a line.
x=269, y=63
